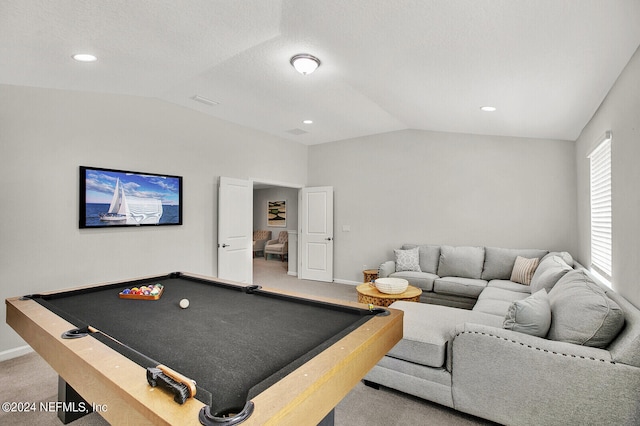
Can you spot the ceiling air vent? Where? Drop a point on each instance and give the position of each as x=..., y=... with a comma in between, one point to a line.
x=204, y=100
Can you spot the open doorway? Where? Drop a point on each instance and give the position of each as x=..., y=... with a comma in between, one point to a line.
x=313, y=250
x=275, y=210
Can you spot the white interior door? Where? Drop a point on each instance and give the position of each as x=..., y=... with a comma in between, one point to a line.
x=316, y=234
x=235, y=222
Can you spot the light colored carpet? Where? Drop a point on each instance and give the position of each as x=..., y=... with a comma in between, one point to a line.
x=30, y=379
x=273, y=273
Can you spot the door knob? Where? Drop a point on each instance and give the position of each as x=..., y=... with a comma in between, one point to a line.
x=328, y=238
x=226, y=245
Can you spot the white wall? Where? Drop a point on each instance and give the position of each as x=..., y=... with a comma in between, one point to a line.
x=445, y=188
x=46, y=134
x=620, y=113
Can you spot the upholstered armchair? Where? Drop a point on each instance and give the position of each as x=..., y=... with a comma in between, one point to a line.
x=260, y=238
x=279, y=246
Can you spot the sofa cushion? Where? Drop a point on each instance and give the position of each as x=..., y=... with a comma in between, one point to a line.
x=429, y=256
x=496, y=301
x=509, y=285
x=458, y=286
x=564, y=255
x=428, y=328
x=407, y=260
x=493, y=307
x=423, y=280
x=581, y=312
x=548, y=272
x=531, y=315
x=498, y=262
x=497, y=293
x=463, y=261
x=523, y=269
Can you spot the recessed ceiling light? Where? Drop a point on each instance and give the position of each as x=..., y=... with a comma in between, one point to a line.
x=307, y=121
x=305, y=63
x=488, y=108
x=84, y=57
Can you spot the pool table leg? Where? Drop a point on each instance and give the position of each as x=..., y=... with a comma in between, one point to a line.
x=329, y=419
x=72, y=406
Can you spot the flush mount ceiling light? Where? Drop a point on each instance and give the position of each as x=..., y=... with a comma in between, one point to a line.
x=488, y=108
x=84, y=57
x=307, y=121
x=305, y=63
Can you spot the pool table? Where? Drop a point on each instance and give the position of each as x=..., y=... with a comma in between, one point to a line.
x=236, y=354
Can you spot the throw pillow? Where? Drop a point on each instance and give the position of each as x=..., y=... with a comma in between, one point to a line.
x=531, y=315
x=582, y=313
x=523, y=270
x=407, y=260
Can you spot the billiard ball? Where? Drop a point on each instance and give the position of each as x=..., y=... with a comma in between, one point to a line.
x=184, y=303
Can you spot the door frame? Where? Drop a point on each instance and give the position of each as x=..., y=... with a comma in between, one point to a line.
x=277, y=184
x=258, y=182
x=268, y=182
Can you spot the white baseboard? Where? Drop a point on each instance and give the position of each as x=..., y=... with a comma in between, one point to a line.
x=295, y=274
x=339, y=281
x=15, y=352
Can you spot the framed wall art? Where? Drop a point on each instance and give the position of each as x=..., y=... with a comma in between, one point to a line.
x=277, y=214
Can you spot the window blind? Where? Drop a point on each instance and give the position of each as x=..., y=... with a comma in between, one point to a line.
x=601, y=259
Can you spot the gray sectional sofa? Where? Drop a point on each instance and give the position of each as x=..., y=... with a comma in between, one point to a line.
x=561, y=349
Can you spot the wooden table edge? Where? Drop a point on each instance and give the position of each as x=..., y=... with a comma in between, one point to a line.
x=377, y=293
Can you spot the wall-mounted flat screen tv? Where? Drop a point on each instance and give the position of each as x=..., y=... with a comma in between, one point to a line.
x=113, y=198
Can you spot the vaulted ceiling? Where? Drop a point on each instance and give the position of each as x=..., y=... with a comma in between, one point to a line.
x=546, y=65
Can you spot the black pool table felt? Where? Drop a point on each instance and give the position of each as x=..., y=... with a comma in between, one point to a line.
x=234, y=344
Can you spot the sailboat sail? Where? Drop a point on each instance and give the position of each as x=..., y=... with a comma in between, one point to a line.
x=118, y=210
x=115, y=201
x=124, y=205
x=133, y=210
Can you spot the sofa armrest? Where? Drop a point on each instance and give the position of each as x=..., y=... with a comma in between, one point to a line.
x=271, y=242
x=258, y=245
x=514, y=378
x=386, y=269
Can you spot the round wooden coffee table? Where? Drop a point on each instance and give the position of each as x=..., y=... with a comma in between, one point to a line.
x=368, y=293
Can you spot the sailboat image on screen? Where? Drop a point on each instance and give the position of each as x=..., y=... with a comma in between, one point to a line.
x=131, y=210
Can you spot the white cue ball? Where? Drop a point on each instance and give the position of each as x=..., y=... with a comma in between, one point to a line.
x=184, y=303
